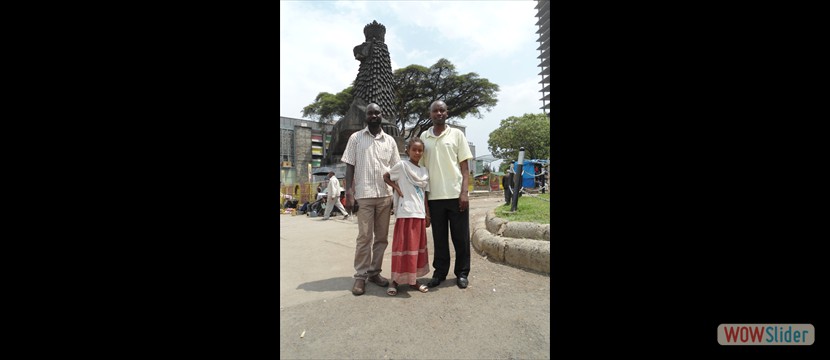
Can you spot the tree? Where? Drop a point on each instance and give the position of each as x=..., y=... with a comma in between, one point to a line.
x=487, y=169
x=326, y=106
x=416, y=87
x=530, y=130
x=419, y=87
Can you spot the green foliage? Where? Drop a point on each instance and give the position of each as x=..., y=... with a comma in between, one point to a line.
x=416, y=87
x=327, y=106
x=411, y=96
x=464, y=94
x=528, y=209
x=530, y=130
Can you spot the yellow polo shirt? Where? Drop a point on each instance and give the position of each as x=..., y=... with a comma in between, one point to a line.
x=442, y=156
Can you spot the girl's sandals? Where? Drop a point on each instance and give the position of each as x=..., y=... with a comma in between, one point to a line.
x=392, y=290
x=420, y=287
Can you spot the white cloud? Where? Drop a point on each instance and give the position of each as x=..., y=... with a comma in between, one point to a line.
x=493, y=28
x=495, y=39
x=523, y=95
x=315, y=55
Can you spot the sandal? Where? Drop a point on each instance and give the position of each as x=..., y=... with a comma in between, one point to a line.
x=392, y=290
x=420, y=287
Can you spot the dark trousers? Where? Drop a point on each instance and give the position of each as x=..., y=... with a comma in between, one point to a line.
x=445, y=215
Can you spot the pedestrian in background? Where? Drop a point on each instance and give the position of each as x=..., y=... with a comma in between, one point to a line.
x=507, y=183
x=333, y=197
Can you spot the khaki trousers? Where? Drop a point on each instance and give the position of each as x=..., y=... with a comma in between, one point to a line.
x=372, y=237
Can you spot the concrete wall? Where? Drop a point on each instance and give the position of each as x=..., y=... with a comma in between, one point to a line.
x=531, y=250
x=302, y=147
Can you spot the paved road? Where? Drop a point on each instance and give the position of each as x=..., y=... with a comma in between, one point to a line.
x=503, y=314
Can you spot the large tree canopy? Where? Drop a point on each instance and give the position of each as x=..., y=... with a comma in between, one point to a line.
x=327, y=106
x=415, y=88
x=530, y=130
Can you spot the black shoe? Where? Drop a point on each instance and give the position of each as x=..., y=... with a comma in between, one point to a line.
x=435, y=282
x=462, y=282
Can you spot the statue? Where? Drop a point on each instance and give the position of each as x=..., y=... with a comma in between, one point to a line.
x=373, y=84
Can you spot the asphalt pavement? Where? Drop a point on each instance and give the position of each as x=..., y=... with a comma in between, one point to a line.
x=504, y=313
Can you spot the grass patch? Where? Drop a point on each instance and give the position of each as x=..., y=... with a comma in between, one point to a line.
x=528, y=209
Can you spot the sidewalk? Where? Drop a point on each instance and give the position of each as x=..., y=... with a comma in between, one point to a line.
x=504, y=313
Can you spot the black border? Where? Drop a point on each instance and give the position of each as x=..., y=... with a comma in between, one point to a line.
x=682, y=153
x=181, y=101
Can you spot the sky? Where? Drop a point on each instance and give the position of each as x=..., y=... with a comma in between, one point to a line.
x=495, y=39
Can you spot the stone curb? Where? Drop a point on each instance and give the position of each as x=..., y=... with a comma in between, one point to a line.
x=491, y=237
x=523, y=230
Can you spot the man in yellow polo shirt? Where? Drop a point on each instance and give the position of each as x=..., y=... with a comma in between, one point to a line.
x=446, y=152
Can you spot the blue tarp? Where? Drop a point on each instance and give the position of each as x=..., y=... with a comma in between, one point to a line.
x=529, y=172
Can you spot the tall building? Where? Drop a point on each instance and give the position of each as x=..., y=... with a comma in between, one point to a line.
x=303, y=144
x=543, y=13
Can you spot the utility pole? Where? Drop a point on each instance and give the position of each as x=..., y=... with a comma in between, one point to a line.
x=517, y=180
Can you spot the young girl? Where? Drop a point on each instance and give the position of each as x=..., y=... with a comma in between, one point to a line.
x=409, y=241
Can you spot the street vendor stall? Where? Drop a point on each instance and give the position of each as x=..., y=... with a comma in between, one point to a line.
x=481, y=182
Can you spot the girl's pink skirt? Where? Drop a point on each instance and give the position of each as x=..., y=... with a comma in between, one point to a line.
x=410, y=259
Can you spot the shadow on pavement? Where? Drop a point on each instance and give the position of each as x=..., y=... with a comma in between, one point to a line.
x=346, y=283
x=333, y=284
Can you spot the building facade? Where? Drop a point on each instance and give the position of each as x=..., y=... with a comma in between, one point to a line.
x=543, y=13
x=303, y=145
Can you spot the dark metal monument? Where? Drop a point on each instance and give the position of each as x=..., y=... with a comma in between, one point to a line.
x=372, y=85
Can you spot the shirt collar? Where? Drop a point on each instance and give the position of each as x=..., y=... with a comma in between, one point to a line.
x=432, y=131
x=366, y=130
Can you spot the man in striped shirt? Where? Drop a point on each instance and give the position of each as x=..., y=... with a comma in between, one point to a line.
x=369, y=154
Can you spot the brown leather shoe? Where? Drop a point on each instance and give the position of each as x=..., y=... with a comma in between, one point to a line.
x=359, y=287
x=379, y=280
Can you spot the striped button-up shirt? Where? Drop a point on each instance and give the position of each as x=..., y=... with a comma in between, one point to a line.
x=372, y=156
